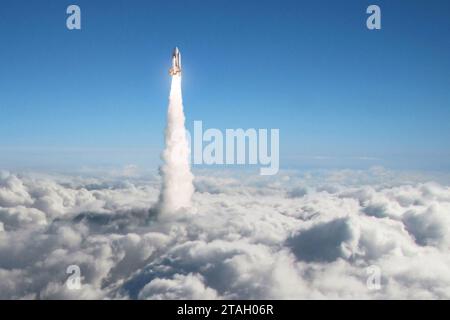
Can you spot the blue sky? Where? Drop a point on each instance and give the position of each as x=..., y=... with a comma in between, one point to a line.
x=341, y=95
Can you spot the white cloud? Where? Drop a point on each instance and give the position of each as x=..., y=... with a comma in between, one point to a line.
x=295, y=235
x=188, y=286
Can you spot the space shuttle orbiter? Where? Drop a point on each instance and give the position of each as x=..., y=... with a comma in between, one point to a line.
x=176, y=62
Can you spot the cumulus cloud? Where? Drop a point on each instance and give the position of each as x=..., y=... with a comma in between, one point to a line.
x=181, y=286
x=292, y=236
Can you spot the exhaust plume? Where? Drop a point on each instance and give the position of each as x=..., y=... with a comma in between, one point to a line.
x=177, y=185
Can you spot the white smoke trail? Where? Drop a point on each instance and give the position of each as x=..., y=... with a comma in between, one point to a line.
x=177, y=187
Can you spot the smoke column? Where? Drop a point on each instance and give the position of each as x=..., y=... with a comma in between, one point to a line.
x=177, y=186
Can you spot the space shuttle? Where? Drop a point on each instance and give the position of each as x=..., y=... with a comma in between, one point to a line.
x=176, y=63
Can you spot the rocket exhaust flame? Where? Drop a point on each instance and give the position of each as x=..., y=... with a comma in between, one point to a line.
x=177, y=185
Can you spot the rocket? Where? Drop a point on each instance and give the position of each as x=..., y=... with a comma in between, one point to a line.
x=176, y=62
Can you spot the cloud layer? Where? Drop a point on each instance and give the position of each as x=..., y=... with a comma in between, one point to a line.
x=292, y=236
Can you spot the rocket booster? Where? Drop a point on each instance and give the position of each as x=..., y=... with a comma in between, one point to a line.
x=176, y=62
